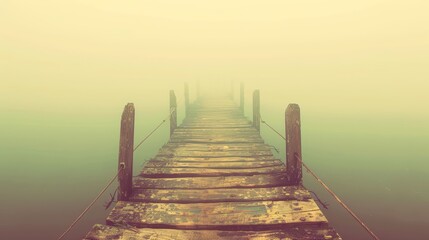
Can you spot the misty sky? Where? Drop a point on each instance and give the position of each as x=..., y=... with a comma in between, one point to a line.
x=104, y=53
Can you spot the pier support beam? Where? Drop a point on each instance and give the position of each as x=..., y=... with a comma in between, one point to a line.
x=186, y=98
x=173, y=112
x=242, y=97
x=256, y=111
x=126, y=145
x=293, y=144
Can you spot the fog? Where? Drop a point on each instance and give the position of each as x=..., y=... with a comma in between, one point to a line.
x=357, y=69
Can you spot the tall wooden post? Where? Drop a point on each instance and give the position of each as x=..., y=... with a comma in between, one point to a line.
x=293, y=144
x=242, y=97
x=173, y=112
x=256, y=111
x=126, y=145
x=186, y=98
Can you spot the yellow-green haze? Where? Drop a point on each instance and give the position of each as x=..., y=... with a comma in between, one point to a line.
x=358, y=69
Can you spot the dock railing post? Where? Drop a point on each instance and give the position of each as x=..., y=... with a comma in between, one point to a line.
x=293, y=144
x=256, y=111
x=125, y=160
x=173, y=112
x=242, y=97
x=186, y=99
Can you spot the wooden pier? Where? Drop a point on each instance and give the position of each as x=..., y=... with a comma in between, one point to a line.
x=214, y=179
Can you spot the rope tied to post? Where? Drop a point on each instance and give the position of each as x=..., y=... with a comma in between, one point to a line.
x=326, y=186
x=122, y=167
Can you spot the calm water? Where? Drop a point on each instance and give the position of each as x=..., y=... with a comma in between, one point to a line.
x=54, y=164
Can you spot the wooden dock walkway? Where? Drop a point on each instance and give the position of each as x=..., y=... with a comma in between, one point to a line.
x=214, y=179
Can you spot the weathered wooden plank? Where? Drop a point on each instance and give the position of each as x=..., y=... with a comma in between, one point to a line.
x=220, y=121
x=219, y=126
x=231, y=117
x=249, y=129
x=213, y=165
x=260, y=180
x=218, y=216
x=214, y=160
x=214, y=123
x=215, y=113
x=217, y=133
x=250, y=136
x=220, y=195
x=195, y=153
x=217, y=147
x=230, y=138
x=104, y=232
x=208, y=172
x=216, y=140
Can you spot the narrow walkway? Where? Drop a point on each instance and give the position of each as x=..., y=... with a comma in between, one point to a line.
x=215, y=179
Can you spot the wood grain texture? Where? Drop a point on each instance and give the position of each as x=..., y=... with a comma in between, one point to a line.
x=126, y=152
x=220, y=195
x=218, y=216
x=217, y=147
x=209, y=172
x=260, y=180
x=104, y=232
x=214, y=159
x=196, y=153
x=293, y=143
x=212, y=164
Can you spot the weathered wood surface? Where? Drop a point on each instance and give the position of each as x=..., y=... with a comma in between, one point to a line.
x=218, y=216
x=293, y=143
x=214, y=159
x=126, y=152
x=222, y=153
x=103, y=232
x=212, y=165
x=215, y=179
x=173, y=112
x=260, y=180
x=217, y=140
x=220, y=195
x=218, y=147
x=198, y=172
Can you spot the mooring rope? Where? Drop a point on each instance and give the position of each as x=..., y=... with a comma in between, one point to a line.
x=172, y=110
x=326, y=187
x=155, y=129
x=92, y=203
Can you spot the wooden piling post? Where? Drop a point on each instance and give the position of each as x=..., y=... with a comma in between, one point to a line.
x=126, y=149
x=173, y=112
x=256, y=111
x=242, y=97
x=293, y=144
x=186, y=98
